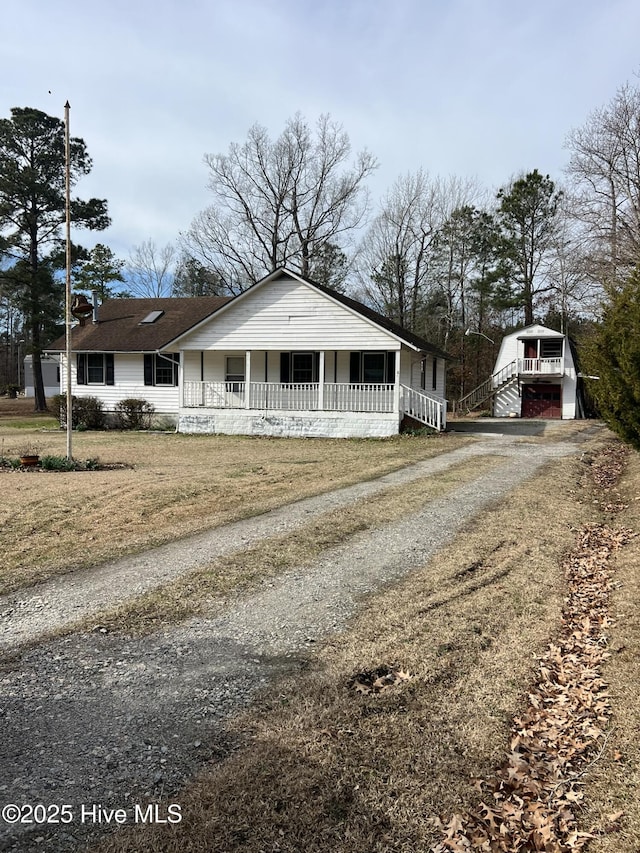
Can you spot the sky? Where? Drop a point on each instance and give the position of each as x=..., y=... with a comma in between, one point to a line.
x=482, y=89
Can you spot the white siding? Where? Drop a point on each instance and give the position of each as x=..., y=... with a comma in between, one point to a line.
x=129, y=382
x=288, y=315
x=508, y=400
x=509, y=351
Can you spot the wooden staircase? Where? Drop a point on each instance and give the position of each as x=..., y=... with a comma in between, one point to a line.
x=486, y=389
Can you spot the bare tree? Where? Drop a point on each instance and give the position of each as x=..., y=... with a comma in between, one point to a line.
x=573, y=291
x=393, y=258
x=396, y=261
x=605, y=169
x=278, y=203
x=151, y=270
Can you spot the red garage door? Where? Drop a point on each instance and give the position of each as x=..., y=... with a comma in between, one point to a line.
x=541, y=401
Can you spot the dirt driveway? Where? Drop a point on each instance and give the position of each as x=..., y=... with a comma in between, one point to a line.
x=103, y=718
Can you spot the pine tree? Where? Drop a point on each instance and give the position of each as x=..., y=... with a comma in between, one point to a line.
x=32, y=212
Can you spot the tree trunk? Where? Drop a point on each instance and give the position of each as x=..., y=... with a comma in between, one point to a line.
x=38, y=382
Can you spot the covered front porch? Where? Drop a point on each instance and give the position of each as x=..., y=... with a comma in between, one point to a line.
x=338, y=393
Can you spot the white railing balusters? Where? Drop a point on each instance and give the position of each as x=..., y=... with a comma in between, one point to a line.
x=540, y=365
x=424, y=407
x=298, y=396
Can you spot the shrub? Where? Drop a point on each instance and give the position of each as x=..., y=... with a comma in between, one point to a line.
x=57, y=463
x=134, y=414
x=87, y=412
x=613, y=354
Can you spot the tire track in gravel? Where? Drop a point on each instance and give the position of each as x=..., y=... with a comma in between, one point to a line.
x=29, y=613
x=107, y=719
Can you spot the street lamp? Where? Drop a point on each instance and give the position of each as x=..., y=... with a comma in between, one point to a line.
x=482, y=335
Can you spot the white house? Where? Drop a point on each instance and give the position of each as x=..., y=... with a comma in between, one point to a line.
x=286, y=357
x=535, y=375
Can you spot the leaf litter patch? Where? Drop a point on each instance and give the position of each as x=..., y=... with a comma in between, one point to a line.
x=531, y=802
x=378, y=680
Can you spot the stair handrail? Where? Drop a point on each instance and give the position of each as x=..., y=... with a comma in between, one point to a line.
x=487, y=388
x=428, y=408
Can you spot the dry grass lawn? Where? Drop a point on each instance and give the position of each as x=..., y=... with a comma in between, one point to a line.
x=52, y=523
x=327, y=767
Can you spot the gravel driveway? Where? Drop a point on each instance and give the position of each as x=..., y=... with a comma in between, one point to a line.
x=102, y=719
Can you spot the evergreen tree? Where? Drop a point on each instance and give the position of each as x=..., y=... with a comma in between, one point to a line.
x=32, y=212
x=613, y=354
x=193, y=279
x=98, y=271
x=528, y=215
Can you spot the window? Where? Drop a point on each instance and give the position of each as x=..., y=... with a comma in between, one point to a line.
x=299, y=367
x=95, y=368
x=551, y=348
x=372, y=367
x=151, y=317
x=161, y=369
x=302, y=367
x=234, y=374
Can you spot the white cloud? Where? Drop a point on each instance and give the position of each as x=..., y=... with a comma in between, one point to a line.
x=468, y=87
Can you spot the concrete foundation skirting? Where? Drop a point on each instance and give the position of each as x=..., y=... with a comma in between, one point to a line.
x=304, y=424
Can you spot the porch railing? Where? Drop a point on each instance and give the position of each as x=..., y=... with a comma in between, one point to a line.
x=427, y=409
x=339, y=397
x=543, y=366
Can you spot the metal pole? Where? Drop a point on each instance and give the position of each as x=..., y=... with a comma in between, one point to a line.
x=69, y=406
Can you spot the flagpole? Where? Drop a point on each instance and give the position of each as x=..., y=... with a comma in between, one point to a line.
x=69, y=405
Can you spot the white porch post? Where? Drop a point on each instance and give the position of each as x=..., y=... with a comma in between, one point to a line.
x=396, y=390
x=181, y=379
x=321, y=381
x=247, y=379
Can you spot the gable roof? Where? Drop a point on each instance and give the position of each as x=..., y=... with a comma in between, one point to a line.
x=121, y=326
x=404, y=334
x=407, y=337
x=536, y=331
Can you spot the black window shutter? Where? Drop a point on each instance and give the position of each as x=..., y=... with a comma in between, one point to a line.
x=148, y=368
x=316, y=367
x=285, y=367
x=176, y=362
x=391, y=368
x=81, y=377
x=354, y=367
x=109, y=372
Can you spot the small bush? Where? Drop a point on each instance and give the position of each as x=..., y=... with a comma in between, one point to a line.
x=87, y=412
x=57, y=463
x=134, y=414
